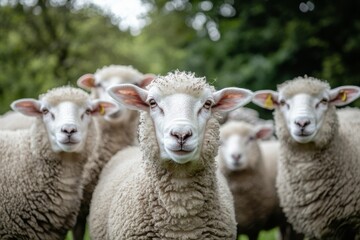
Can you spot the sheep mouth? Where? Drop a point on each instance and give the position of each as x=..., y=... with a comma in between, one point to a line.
x=69, y=142
x=181, y=152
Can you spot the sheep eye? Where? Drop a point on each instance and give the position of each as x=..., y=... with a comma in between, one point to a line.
x=252, y=138
x=324, y=101
x=152, y=103
x=282, y=102
x=208, y=104
x=45, y=111
x=88, y=111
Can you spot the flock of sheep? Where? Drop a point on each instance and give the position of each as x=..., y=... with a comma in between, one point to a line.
x=169, y=157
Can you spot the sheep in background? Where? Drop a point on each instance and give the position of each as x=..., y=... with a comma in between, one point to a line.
x=41, y=167
x=250, y=168
x=117, y=129
x=348, y=114
x=174, y=191
x=13, y=120
x=318, y=179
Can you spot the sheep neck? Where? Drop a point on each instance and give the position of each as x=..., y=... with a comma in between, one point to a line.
x=118, y=134
x=184, y=191
x=59, y=176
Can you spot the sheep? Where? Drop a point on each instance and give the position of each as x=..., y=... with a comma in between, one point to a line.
x=250, y=167
x=318, y=177
x=117, y=129
x=348, y=114
x=173, y=190
x=248, y=115
x=13, y=120
x=41, y=166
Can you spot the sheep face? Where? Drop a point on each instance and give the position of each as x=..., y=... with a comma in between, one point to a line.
x=305, y=109
x=180, y=121
x=180, y=118
x=66, y=122
x=239, y=147
x=110, y=76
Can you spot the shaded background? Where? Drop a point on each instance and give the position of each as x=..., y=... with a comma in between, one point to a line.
x=254, y=44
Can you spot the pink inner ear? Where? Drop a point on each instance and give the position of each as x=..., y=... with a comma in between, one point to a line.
x=27, y=107
x=87, y=81
x=148, y=78
x=131, y=98
x=264, y=133
x=227, y=101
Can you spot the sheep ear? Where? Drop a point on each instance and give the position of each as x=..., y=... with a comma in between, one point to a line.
x=130, y=96
x=229, y=99
x=264, y=131
x=344, y=95
x=27, y=106
x=100, y=107
x=266, y=99
x=148, y=78
x=86, y=81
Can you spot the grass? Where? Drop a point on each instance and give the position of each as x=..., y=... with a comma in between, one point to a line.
x=264, y=235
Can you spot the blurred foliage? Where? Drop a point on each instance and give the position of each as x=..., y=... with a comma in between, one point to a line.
x=253, y=44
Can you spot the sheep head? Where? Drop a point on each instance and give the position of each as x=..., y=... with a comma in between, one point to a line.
x=304, y=104
x=111, y=75
x=180, y=110
x=66, y=113
x=239, y=148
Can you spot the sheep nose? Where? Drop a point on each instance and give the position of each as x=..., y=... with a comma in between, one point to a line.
x=181, y=135
x=69, y=129
x=236, y=156
x=302, y=122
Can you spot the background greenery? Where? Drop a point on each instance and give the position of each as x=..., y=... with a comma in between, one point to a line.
x=254, y=44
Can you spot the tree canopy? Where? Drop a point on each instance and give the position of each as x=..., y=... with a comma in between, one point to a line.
x=252, y=44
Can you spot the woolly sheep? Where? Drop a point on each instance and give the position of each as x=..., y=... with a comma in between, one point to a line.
x=348, y=114
x=41, y=166
x=318, y=180
x=117, y=129
x=13, y=120
x=248, y=115
x=174, y=191
x=250, y=167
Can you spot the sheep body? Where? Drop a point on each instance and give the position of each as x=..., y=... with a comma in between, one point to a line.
x=318, y=181
x=13, y=120
x=117, y=131
x=150, y=197
x=253, y=183
x=40, y=189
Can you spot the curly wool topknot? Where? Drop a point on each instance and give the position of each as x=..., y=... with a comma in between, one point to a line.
x=175, y=82
x=65, y=93
x=305, y=84
x=128, y=73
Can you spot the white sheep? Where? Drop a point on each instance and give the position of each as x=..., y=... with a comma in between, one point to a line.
x=248, y=115
x=174, y=191
x=348, y=114
x=117, y=129
x=13, y=120
x=41, y=167
x=318, y=179
x=250, y=167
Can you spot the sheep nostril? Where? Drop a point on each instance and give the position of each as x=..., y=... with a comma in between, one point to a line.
x=302, y=122
x=236, y=156
x=180, y=136
x=69, y=129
